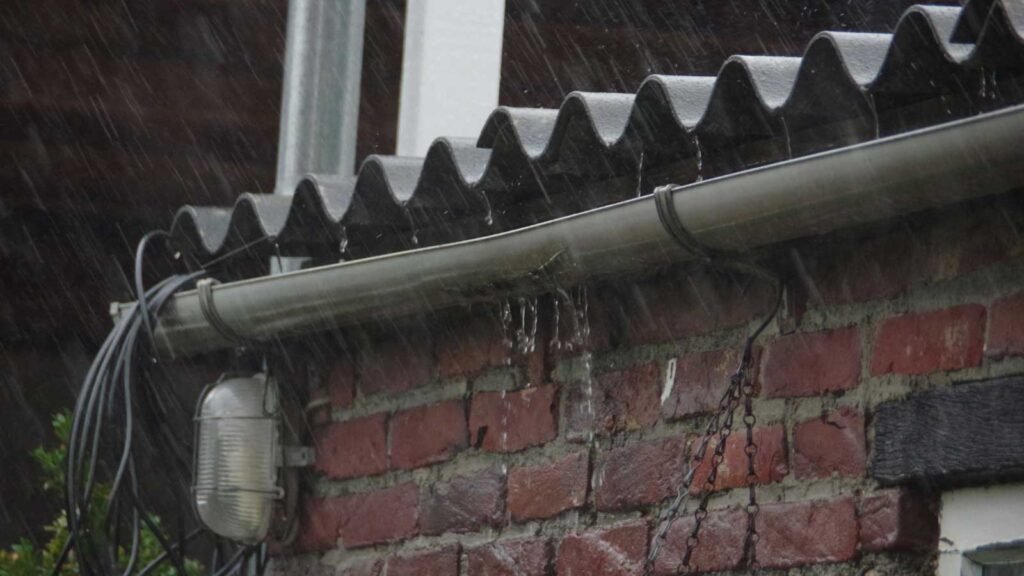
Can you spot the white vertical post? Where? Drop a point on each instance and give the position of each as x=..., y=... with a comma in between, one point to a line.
x=451, y=70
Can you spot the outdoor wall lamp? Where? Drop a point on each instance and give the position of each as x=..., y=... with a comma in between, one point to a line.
x=241, y=467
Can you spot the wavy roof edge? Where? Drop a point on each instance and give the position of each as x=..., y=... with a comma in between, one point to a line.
x=955, y=55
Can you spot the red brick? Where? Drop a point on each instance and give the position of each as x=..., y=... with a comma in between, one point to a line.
x=338, y=390
x=341, y=383
x=898, y=520
x=770, y=463
x=1006, y=327
x=700, y=302
x=701, y=380
x=427, y=434
x=639, y=474
x=948, y=339
x=722, y=536
x=522, y=557
x=831, y=444
x=370, y=518
x=396, y=363
x=613, y=551
x=371, y=567
x=812, y=364
x=967, y=241
x=879, y=266
x=318, y=525
x=440, y=562
x=614, y=402
x=471, y=344
x=535, y=364
x=509, y=422
x=353, y=448
x=300, y=565
x=545, y=490
x=793, y=534
x=464, y=504
x=319, y=414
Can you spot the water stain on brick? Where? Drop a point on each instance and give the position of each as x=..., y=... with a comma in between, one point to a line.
x=615, y=402
x=464, y=504
x=939, y=340
x=544, y=490
x=612, y=551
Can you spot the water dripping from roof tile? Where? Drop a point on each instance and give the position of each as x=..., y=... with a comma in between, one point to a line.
x=414, y=238
x=343, y=243
x=521, y=329
x=505, y=315
x=555, y=344
x=489, y=216
x=699, y=158
x=640, y=177
x=874, y=114
x=504, y=420
x=531, y=333
x=582, y=336
x=789, y=143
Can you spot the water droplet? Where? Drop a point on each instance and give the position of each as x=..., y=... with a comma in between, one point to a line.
x=343, y=244
x=532, y=320
x=505, y=314
x=414, y=238
x=699, y=157
x=555, y=344
x=521, y=337
x=789, y=144
x=489, y=216
x=640, y=177
x=504, y=420
x=874, y=113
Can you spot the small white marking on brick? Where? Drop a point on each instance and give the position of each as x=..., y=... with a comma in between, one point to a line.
x=670, y=379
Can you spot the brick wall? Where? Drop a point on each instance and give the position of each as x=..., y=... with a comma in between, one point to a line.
x=448, y=446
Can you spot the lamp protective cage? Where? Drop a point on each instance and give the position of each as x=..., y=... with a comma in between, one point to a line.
x=238, y=451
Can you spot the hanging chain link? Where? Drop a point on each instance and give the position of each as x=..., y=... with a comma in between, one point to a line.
x=740, y=389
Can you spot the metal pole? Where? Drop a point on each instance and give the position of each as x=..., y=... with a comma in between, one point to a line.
x=320, y=96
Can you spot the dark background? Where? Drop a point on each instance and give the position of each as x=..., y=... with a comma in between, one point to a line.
x=113, y=114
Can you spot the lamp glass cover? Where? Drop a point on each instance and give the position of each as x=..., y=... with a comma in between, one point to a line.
x=237, y=452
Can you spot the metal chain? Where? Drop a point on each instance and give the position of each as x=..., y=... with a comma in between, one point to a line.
x=749, y=420
x=741, y=388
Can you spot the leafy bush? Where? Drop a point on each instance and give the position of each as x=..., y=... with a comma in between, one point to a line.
x=24, y=559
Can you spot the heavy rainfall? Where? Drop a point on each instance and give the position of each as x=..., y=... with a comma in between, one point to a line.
x=516, y=286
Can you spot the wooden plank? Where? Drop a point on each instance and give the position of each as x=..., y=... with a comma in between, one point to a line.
x=966, y=434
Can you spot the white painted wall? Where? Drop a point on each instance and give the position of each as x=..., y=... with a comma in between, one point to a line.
x=976, y=517
x=451, y=70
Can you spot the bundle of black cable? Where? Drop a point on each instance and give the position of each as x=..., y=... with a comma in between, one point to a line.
x=117, y=404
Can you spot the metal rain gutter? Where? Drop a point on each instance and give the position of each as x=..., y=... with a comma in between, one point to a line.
x=806, y=196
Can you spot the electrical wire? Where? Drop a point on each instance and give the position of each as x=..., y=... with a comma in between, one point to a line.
x=103, y=430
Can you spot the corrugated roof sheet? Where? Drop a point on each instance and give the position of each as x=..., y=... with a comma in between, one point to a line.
x=530, y=165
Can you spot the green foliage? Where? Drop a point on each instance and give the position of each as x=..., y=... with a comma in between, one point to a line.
x=25, y=559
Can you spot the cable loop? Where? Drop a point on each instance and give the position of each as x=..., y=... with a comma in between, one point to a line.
x=204, y=289
x=670, y=221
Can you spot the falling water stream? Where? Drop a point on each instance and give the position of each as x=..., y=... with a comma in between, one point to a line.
x=343, y=243
x=699, y=158
x=489, y=216
x=789, y=143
